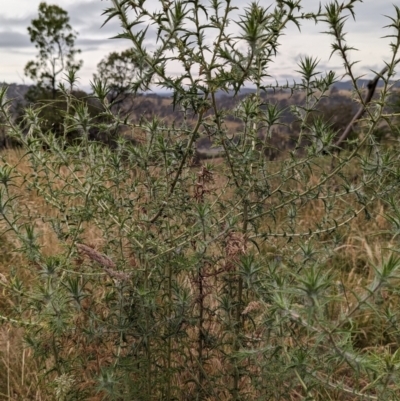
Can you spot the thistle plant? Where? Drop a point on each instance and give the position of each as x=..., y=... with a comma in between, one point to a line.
x=143, y=276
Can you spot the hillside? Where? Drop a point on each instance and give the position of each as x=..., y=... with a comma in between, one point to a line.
x=338, y=109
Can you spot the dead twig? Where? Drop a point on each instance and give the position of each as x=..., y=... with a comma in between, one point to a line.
x=371, y=90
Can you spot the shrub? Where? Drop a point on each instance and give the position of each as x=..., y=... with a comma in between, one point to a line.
x=143, y=277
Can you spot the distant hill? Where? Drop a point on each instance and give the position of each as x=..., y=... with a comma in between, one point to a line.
x=15, y=91
x=338, y=108
x=342, y=85
x=361, y=83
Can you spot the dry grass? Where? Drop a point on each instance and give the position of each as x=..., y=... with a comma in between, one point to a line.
x=19, y=371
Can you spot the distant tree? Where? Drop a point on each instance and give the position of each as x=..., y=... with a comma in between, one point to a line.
x=330, y=116
x=54, y=37
x=394, y=103
x=120, y=70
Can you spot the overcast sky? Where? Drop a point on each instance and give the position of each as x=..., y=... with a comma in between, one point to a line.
x=365, y=34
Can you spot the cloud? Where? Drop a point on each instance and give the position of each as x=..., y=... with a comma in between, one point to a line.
x=15, y=23
x=93, y=36
x=14, y=40
x=90, y=42
x=94, y=39
x=110, y=29
x=86, y=16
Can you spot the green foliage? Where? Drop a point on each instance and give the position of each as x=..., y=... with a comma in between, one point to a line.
x=54, y=38
x=151, y=279
x=118, y=71
x=58, y=115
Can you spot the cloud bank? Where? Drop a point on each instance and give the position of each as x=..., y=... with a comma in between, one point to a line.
x=94, y=39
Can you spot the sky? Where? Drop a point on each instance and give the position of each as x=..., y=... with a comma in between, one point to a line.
x=365, y=34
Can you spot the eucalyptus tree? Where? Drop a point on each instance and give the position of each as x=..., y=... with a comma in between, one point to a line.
x=54, y=39
x=119, y=71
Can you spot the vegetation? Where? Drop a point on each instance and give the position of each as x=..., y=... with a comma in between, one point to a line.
x=54, y=38
x=117, y=70
x=132, y=274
